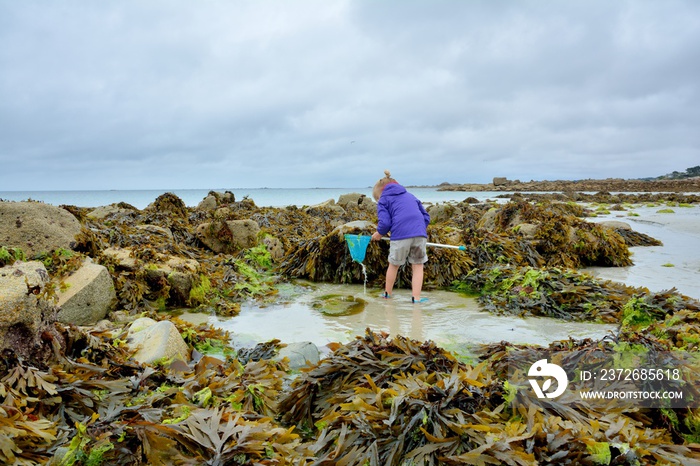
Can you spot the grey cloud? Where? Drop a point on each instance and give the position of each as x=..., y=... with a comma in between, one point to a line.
x=146, y=94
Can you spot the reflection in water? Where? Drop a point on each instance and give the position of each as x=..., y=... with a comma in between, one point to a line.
x=449, y=319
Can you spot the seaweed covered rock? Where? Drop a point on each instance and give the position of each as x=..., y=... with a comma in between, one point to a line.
x=329, y=259
x=397, y=401
x=168, y=203
x=558, y=235
x=550, y=292
x=215, y=199
x=108, y=210
x=443, y=212
x=391, y=400
x=228, y=236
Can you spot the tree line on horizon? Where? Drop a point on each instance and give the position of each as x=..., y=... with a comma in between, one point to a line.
x=675, y=175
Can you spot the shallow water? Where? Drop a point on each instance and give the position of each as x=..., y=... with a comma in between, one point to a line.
x=313, y=312
x=675, y=264
x=324, y=313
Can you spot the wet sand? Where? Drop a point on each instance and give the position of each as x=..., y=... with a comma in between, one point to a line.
x=675, y=264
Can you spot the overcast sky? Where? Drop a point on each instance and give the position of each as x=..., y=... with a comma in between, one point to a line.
x=225, y=94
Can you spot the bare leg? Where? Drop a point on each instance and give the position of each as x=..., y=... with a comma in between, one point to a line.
x=417, y=281
x=391, y=273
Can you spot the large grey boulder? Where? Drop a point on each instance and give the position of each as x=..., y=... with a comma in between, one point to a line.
x=22, y=311
x=208, y=203
x=229, y=236
x=357, y=200
x=35, y=227
x=88, y=296
x=156, y=341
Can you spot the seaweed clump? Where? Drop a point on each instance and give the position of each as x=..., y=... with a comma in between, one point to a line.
x=550, y=292
x=94, y=405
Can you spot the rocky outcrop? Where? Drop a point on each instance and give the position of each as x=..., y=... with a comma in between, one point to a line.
x=176, y=272
x=23, y=313
x=215, y=199
x=36, y=228
x=156, y=341
x=88, y=295
x=228, y=236
x=360, y=201
x=102, y=212
x=609, y=185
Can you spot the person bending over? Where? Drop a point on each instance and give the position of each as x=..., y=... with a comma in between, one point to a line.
x=403, y=215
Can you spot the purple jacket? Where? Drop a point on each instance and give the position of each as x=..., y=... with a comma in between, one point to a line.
x=401, y=213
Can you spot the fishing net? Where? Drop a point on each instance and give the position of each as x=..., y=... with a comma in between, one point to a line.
x=357, y=244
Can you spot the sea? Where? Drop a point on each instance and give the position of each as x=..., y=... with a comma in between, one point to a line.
x=263, y=197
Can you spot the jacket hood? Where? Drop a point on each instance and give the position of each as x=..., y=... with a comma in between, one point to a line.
x=393, y=189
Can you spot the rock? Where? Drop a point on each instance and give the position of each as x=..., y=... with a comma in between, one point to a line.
x=274, y=247
x=223, y=212
x=325, y=208
x=228, y=197
x=616, y=225
x=351, y=199
x=180, y=287
x=22, y=312
x=168, y=203
x=229, y=236
x=300, y=354
x=122, y=256
x=90, y=295
x=488, y=220
x=208, y=203
x=214, y=199
x=358, y=201
x=156, y=230
x=35, y=227
x=443, y=212
x=500, y=181
x=178, y=272
x=156, y=341
x=352, y=227
x=102, y=212
x=527, y=230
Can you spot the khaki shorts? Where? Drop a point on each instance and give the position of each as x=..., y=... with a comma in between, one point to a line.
x=412, y=249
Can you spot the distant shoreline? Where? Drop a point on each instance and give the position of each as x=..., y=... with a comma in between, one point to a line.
x=691, y=185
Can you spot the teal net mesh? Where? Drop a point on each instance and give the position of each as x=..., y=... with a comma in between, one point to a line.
x=357, y=244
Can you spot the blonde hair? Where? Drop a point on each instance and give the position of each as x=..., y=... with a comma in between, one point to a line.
x=379, y=185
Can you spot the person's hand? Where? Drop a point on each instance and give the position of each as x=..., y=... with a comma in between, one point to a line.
x=376, y=236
